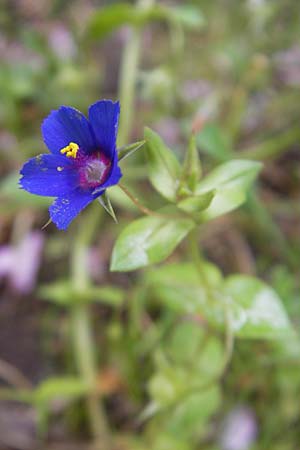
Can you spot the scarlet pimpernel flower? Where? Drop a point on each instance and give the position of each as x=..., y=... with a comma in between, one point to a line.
x=83, y=161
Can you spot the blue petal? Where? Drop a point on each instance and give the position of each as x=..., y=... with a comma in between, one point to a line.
x=67, y=125
x=104, y=118
x=66, y=208
x=49, y=175
x=113, y=178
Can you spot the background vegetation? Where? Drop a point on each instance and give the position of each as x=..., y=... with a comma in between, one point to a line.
x=163, y=378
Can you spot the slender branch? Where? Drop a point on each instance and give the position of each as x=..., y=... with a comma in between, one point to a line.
x=273, y=147
x=144, y=209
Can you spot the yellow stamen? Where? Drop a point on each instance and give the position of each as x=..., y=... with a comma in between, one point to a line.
x=70, y=150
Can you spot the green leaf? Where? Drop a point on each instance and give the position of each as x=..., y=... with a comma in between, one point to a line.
x=59, y=387
x=64, y=294
x=111, y=17
x=164, y=168
x=192, y=347
x=256, y=310
x=231, y=182
x=187, y=15
x=193, y=413
x=179, y=288
x=148, y=241
x=196, y=204
x=213, y=141
x=127, y=150
x=192, y=170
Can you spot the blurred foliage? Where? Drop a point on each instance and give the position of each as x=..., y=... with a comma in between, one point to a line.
x=229, y=71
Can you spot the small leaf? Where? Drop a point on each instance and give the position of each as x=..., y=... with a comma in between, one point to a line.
x=59, y=387
x=64, y=294
x=256, y=310
x=191, y=171
x=105, y=202
x=148, y=241
x=109, y=295
x=231, y=182
x=178, y=287
x=107, y=19
x=187, y=15
x=127, y=150
x=164, y=168
x=193, y=412
x=213, y=141
x=196, y=204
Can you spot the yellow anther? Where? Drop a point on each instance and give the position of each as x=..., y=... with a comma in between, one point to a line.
x=70, y=150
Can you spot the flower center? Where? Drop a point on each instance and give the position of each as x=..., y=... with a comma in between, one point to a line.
x=94, y=171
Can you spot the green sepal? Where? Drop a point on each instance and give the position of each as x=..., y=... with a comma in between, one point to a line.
x=127, y=150
x=105, y=202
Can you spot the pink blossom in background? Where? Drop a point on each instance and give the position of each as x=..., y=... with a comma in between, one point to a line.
x=62, y=42
x=240, y=430
x=19, y=264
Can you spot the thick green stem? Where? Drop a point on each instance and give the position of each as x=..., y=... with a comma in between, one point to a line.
x=82, y=330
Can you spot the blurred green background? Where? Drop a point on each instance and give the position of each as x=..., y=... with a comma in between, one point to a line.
x=231, y=70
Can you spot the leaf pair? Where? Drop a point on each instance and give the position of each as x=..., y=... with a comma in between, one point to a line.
x=108, y=19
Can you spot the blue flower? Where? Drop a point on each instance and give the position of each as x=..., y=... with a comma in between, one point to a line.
x=83, y=161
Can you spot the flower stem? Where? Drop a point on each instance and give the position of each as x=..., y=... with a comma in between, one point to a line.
x=82, y=330
x=144, y=209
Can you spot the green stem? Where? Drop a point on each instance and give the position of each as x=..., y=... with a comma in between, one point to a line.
x=273, y=147
x=85, y=356
x=144, y=209
x=197, y=258
x=82, y=330
x=199, y=264
x=128, y=75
